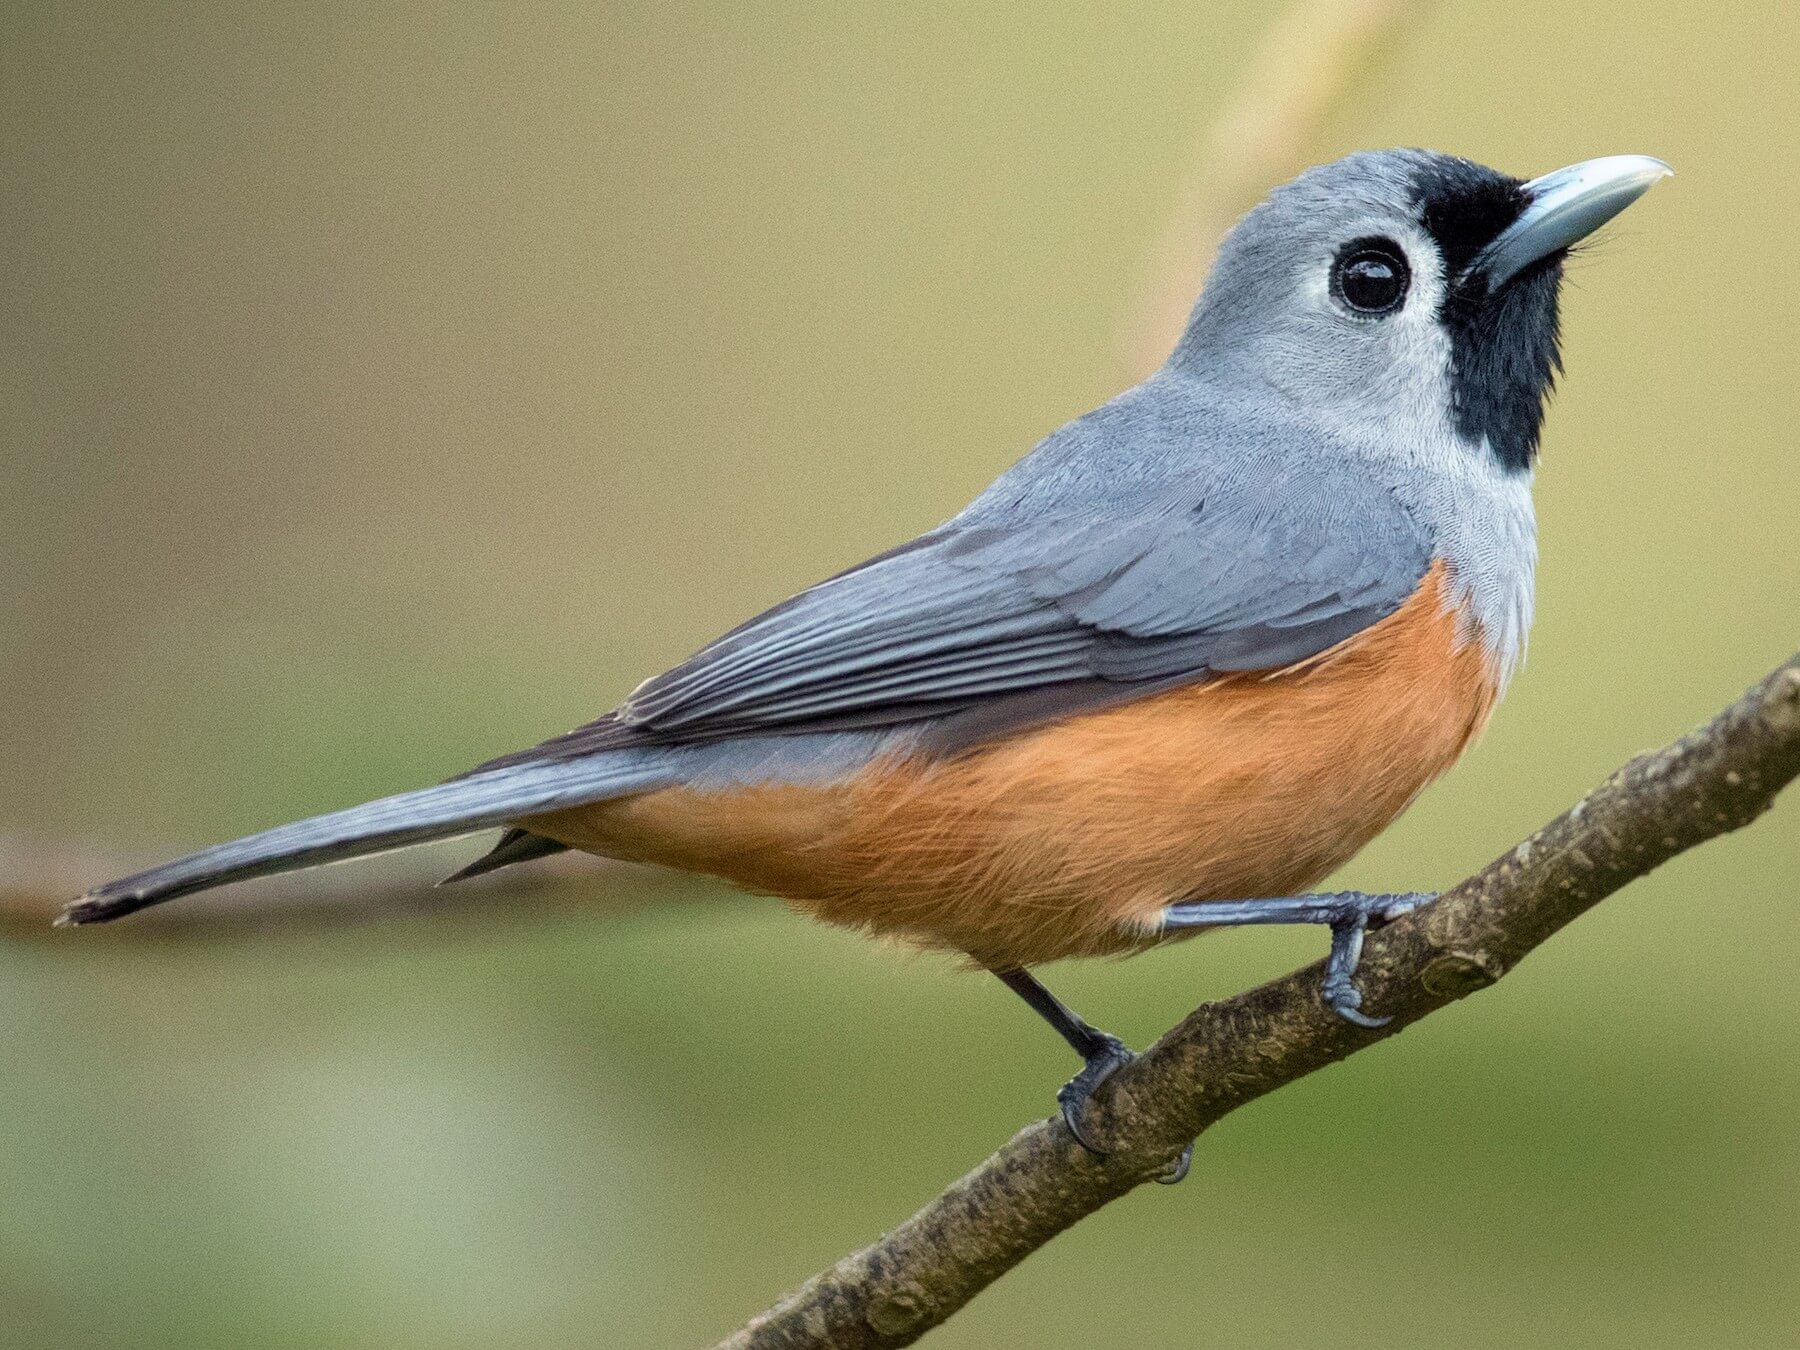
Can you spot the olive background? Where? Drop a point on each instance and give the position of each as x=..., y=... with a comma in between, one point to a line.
x=388, y=386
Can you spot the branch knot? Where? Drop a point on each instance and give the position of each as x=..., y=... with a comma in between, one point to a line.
x=1781, y=703
x=899, y=1311
x=1457, y=973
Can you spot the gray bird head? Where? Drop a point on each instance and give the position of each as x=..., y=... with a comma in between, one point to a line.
x=1408, y=287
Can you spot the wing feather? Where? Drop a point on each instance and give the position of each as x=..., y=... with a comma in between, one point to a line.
x=1253, y=573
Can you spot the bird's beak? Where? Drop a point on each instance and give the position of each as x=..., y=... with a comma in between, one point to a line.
x=1563, y=208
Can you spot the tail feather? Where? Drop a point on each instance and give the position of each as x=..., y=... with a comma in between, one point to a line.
x=515, y=846
x=461, y=806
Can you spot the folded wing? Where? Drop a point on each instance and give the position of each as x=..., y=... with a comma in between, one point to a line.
x=1248, y=573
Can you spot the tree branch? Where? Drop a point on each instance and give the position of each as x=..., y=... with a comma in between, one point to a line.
x=1223, y=1055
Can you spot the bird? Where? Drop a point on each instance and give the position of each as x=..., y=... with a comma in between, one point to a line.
x=1170, y=669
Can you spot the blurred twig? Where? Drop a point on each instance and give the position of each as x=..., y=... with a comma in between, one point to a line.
x=1301, y=72
x=1225, y=1054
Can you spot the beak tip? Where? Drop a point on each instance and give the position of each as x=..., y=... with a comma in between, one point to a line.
x=1565, y=207
x=1622, y=172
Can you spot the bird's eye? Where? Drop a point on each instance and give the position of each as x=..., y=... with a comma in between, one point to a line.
x=1371, y=276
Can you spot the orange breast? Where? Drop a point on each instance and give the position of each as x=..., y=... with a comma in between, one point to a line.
x=1069, y=840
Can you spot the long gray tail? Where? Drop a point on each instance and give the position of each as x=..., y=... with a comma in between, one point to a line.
x=461, y=806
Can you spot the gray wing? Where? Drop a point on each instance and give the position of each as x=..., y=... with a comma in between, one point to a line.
x=1252, y=573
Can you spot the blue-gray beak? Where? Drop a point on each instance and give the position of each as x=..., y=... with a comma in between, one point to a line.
x=1564, y=208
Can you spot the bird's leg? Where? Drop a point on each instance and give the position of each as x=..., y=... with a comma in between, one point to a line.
x=1102, y=1054
x=1348, y=914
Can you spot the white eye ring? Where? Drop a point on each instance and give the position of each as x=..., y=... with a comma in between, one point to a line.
x=1371, y=277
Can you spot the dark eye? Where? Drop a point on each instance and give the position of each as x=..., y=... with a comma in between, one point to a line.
x=1371, y=276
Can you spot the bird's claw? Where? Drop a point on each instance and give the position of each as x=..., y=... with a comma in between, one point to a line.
x=1398, y=905
x=1344, y=999
x=1358, y=915
x=1111, y=1056
x=1073, y=1097
x=1176, y=1170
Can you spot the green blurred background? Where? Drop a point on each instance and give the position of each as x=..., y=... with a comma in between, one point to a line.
x=385, y=387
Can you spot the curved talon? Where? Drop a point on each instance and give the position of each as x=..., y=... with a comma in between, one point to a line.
x=1173, y=1174
x=1348, y=1004
x=1073, y=1096
x=1345, y=999
x=1339, y=994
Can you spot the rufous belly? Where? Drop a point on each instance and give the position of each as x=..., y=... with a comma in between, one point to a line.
x=1070, y=839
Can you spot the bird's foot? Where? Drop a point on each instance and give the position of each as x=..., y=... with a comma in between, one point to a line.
x=1108, y=1056
x=1357, y=913
x=1349, y=915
